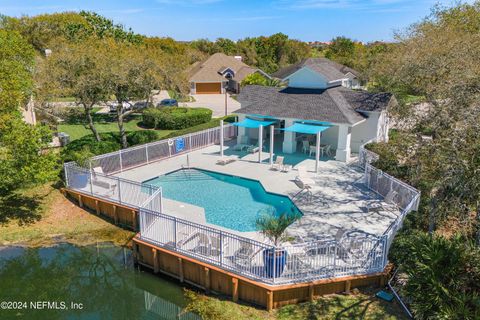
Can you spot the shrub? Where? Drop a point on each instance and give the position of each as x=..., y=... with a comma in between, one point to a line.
x=175, y=118
x=141, y=137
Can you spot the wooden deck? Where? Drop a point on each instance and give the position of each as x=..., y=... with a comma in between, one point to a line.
x=211, y=278
x=216, y=280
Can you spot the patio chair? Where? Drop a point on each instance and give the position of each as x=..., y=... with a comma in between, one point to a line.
x=278, y=164
x=303, y=180
x=242, y=145
x=389, y=199
x=99, y=180
x=245, y=254
x=328, y=150
x=255, y=148
x=305, y=146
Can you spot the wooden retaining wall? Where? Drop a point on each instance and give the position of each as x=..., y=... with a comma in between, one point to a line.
x=118, y=214
x=216, y=280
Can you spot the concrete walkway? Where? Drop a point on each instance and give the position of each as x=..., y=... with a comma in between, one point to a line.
x=214, y=102
x=337, y=203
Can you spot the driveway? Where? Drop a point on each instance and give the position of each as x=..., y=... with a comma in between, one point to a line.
x=214, y=102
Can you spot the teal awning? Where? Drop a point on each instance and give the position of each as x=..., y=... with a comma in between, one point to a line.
x=306, y=128
x=250, y=123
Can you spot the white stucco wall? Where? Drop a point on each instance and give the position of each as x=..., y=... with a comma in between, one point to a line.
x=307, y=78
x=330, y=136
x=365, y=131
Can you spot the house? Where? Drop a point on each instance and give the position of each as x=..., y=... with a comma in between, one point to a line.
x=219, y=73
x=317, y=107
x=322, y=69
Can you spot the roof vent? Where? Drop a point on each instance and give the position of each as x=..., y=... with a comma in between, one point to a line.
x=239, y=58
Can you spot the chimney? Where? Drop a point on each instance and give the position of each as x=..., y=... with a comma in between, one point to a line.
x=239, y=58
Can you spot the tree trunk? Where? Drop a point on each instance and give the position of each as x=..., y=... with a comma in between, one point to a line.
x=121, y=129
x=90, y=121
x=478, y=224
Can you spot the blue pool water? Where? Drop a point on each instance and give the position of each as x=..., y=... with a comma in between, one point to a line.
x=229, y=201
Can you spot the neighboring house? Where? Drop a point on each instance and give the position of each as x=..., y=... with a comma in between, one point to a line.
x=344, y=118
x=219, y=73
x=320, y=69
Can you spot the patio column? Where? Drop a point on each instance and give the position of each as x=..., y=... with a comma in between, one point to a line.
x=272, y=128
x=289, y=143
x=317, y=152
x=241, y=130
x=343, y=145
x=260, y=143
x=221, y=138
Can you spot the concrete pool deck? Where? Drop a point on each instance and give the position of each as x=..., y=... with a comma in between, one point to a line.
x=336, y=204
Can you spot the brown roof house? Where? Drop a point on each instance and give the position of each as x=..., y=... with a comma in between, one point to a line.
x=219, y=73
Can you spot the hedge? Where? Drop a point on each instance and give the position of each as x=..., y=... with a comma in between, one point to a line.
x=175, y=118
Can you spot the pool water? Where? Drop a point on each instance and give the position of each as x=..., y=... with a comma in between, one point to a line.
x=229, y=201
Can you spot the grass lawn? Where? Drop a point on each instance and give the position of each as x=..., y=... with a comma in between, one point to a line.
x=362, y=305
x=43, y=216
x=77, y=131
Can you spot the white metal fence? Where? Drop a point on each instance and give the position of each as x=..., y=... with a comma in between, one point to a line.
x=110, y=188
x=324, y=258
x=354, y=253
x=140, y=155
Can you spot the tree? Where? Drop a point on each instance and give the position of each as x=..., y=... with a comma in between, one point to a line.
x=16, y=65
x=342, y=50
x=76, y=70
x=132, y=75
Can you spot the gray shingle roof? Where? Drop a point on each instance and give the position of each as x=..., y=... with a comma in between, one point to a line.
x=337, y=105
x=327, y=68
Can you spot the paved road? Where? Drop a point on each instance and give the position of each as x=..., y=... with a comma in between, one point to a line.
x=215, y=102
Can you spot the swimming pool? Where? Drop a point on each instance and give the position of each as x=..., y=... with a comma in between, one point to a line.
x=229, y=201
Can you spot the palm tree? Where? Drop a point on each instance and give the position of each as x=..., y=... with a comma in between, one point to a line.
x=273, y=227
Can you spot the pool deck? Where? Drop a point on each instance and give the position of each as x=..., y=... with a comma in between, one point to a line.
x=337, y=203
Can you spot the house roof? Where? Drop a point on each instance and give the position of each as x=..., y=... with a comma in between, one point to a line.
x=337, y=105
x=327, y=68
x=210, y=69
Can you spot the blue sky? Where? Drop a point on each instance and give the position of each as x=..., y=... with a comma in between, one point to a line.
x=364, y=20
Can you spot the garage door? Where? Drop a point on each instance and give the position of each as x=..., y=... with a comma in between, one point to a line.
x=211, y=87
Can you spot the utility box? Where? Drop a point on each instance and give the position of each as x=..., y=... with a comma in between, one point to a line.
x=64, y=138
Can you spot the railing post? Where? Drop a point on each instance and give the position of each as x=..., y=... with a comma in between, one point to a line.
x=119, y=191
x=146, y=152
x=175, y=232
x=120, y=159
x=274, y=262
x=221, y=248
x=65, y=166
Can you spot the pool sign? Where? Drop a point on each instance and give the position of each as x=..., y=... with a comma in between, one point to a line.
x=179, y=144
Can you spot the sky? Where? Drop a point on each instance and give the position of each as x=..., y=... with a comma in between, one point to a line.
x=307, y=20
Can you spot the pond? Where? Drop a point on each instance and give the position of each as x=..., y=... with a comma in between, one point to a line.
x=91, y=282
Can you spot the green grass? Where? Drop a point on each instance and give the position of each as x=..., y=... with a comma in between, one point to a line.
x=362, y=305
x=77, y=131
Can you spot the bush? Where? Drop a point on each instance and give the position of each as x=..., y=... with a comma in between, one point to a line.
x=141, y=137
x=175, y=118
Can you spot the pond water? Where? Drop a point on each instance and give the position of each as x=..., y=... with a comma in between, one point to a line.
x=91, y=282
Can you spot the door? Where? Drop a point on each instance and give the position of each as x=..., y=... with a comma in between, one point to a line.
x=209, y=87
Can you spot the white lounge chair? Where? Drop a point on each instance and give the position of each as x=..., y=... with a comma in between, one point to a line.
x=278, y=164
x=389, y=199
x=256, y=148
x=243, y=144
x=303, y=180
x=100, y=179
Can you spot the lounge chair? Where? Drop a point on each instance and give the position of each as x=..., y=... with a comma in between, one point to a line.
x=99, y=179
x=389, y=199
x=243, y=144
x=245, y=255
x=225, y=161
x=256, y=148
x=303, y=180
x=278, y=164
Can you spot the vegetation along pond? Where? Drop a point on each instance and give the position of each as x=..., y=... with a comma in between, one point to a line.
x=90, y=282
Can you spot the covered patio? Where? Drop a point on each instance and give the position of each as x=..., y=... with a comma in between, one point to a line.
x=263, y=139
